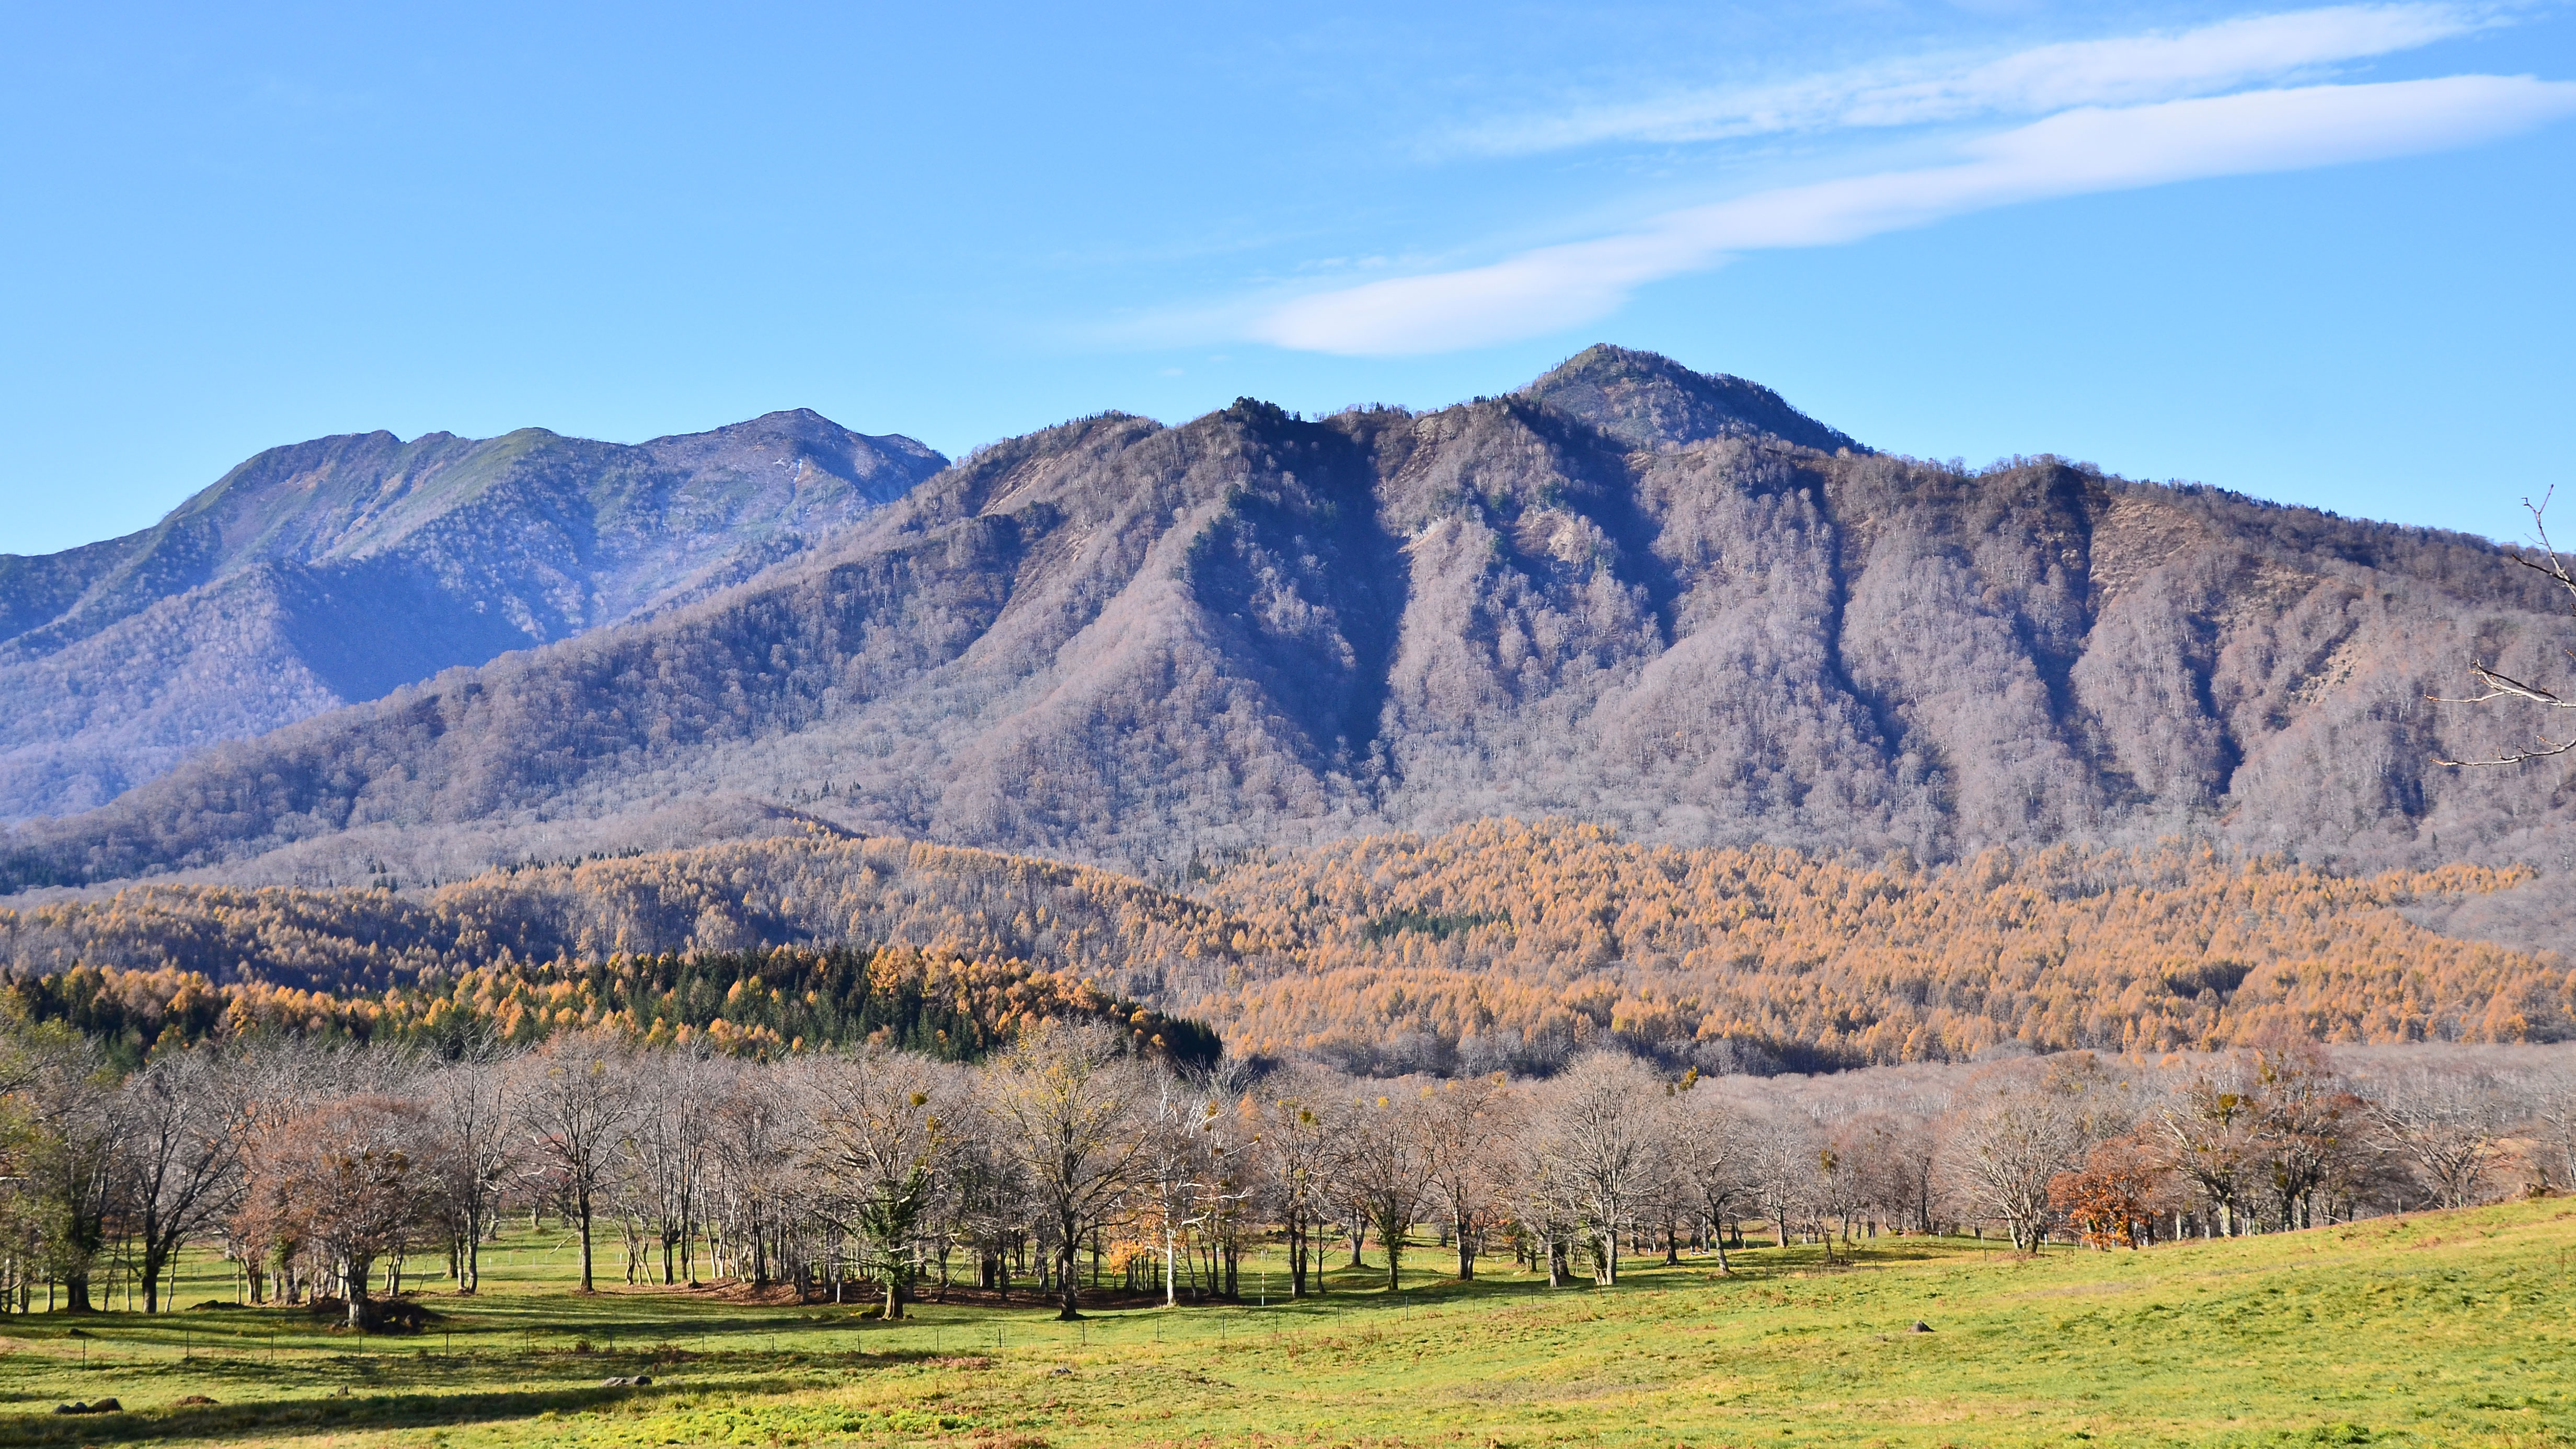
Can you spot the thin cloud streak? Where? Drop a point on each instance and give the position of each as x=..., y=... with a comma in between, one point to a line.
x=2127, y=70
x=2077, y=152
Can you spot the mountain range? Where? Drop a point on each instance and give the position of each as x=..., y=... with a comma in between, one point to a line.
x=1629, y=594
x=327, y=573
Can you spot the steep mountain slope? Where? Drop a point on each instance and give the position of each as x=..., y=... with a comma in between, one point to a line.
x=1118, y=641
x=329, y=572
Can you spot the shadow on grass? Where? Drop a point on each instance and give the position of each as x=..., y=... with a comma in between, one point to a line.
x=1365, y=1289
x=498, y=1330
x=224, y=1423
x=377, y=1407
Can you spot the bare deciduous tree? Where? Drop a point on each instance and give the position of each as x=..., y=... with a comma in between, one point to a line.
x=1386, y=1170
x=2007, y=1146
x=184, y=1136
x=1598, y=1123
x=1193, y=1171
x=1778, y=1147
x=2306, y=1125
x=1062, y=1104
x=1464, y=1126
x=1300, y=1140
x=2206, y=1134
x=580, y=1092
x=2554, y=1116
x=882, y=1140
x=2447, y=1121
x=1710, y=1158
x=473, y=1103
x=666, y=1149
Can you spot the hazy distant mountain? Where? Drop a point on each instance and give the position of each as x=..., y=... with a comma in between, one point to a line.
x=1626, y=595
x=329, y=572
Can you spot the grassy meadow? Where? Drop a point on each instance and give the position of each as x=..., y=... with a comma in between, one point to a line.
x=2431, y=1329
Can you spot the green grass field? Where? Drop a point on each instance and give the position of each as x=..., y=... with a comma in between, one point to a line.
x=2434, y=1329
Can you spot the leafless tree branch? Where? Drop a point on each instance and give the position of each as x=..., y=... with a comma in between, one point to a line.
x=2500, y=686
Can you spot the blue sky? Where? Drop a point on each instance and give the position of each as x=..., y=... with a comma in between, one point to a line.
x=2319, y=254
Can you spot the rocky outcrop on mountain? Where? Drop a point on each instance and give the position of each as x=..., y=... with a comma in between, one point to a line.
x=1618, y=596
x=329, y=572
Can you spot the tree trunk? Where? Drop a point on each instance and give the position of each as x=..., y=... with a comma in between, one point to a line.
x=76, y=1294
x=581, y=1204
x=1072, y=1303
x=361, y=1319
x=155, y=1258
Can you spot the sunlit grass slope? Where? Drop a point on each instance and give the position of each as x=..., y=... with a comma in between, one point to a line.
x=2437, y=1329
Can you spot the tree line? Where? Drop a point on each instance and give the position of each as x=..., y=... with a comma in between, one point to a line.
x=1077, y=1163
x=1510, y=945
x=1498, y=945
x=745, y=1003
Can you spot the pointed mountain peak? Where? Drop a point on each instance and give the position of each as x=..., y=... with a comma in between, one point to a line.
x=804, y=433
x=801, y=424
x=1647, y=401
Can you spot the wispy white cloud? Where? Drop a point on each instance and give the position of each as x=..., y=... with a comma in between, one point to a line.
x=2126, y=70
x=2084, y=150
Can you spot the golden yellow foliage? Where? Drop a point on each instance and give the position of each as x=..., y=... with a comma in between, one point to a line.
x=1565, y=930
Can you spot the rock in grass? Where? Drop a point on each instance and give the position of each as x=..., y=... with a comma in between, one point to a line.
x=193, y=1401
x=103, y=1406
x=629, y=1381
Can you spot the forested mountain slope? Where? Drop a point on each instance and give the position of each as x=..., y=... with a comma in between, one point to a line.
x=1503, y=945
x=811, y=888
x=329, y=572
x=1620, y=596
x=1494, y=946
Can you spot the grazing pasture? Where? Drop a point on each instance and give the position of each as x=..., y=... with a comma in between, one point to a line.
x=2454, y=1328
